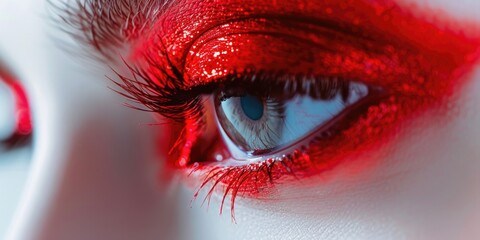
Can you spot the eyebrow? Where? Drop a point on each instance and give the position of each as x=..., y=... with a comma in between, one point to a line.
x=108, y=24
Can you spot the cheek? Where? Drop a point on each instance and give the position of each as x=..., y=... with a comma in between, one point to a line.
x=439, y=186
x=94, y=163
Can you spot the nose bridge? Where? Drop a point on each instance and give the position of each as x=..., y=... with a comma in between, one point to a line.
x=100, y=172
x=22, y=34
x=94, y=171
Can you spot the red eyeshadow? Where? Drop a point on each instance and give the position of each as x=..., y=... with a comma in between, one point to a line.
x=421, y=65
x=22, y=109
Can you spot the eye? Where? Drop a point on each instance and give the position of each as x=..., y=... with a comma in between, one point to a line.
x=258, y=123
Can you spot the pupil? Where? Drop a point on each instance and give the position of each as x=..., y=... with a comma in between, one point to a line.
x=252, y=107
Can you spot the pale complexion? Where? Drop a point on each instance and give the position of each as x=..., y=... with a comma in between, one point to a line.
x=93, y=167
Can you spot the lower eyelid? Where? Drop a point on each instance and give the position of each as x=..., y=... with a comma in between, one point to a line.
x=297, y=163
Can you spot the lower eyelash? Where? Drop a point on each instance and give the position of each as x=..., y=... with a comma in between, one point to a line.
x=249, y=181
x=243, y=180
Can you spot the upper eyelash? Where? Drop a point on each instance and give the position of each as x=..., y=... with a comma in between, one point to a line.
x=177, y=101
x=170, y=100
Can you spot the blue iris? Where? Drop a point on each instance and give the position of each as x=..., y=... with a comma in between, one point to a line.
x=252, y=107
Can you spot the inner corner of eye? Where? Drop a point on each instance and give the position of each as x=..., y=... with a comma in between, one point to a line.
x=255, y=125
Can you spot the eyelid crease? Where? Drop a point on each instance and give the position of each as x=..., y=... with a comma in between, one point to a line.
x=299, y=23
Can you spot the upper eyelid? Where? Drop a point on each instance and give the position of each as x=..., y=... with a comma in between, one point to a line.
x=321, y=25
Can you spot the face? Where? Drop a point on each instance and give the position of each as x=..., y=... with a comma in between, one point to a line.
x=265, y=120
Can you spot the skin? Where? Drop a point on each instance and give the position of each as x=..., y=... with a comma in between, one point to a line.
x=94, y=170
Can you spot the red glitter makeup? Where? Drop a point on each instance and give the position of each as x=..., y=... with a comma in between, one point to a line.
x=23, y=126
x=195, y=49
